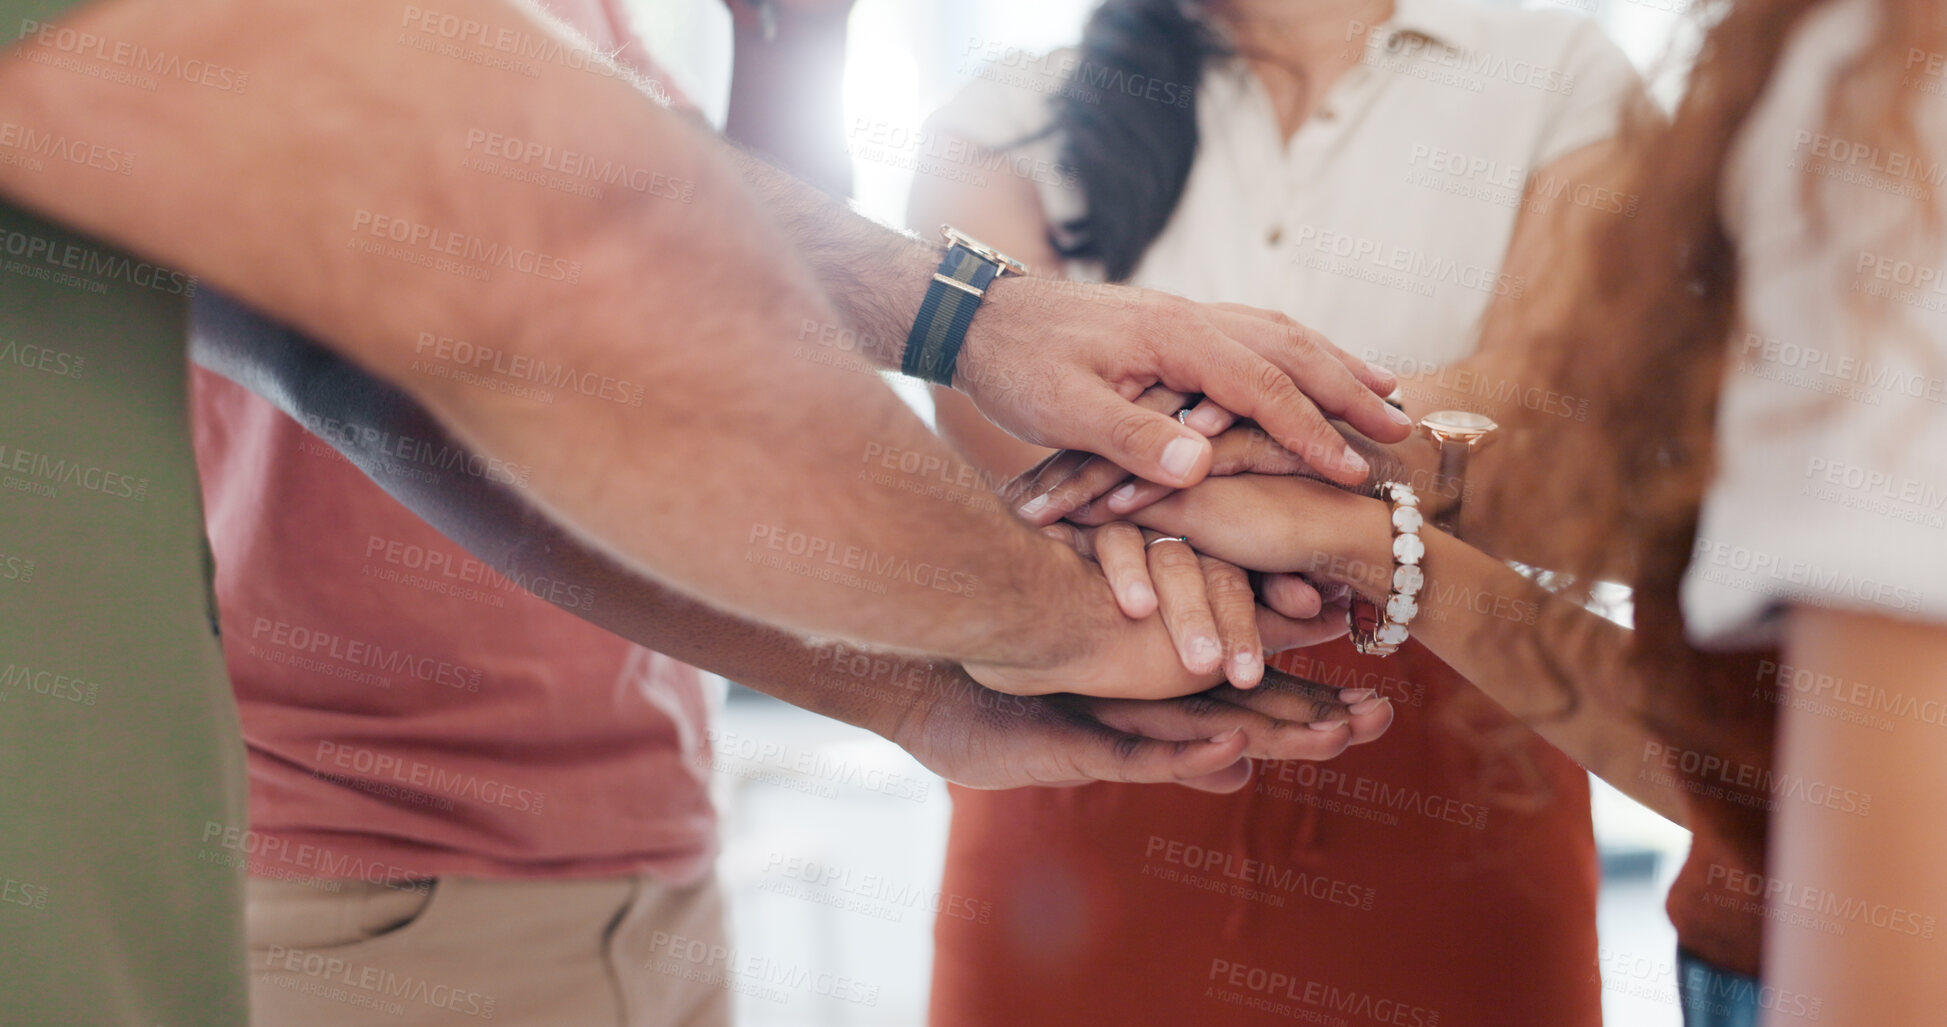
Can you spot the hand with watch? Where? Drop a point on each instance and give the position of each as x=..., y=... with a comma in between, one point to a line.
x=1077, y=486
x=1072, y=482
x=1061, y=365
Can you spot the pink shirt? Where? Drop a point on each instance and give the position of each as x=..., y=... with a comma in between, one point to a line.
x=408, y=711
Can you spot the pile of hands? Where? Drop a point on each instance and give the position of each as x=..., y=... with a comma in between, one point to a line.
x=1281, y=527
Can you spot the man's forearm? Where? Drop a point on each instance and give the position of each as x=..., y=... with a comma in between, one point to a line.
x=353, y=208
x=494, y=521
x=875, y=277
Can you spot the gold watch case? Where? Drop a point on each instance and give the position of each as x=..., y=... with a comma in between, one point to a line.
x=1008, y=265
x=1463, y=426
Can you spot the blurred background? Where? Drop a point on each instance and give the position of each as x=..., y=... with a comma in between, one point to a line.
x=834, y=837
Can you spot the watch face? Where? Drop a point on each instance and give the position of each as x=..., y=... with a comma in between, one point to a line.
x=1457, y=425
x=1007, y=264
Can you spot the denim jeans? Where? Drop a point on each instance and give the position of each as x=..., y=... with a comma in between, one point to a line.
x=1713, y=997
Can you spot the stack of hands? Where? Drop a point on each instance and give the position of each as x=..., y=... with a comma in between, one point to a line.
x=1261, y=555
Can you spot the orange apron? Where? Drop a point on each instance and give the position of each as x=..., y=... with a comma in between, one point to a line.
x=1442, y=876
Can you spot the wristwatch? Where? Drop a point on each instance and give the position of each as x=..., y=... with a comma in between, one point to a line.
x=1459, y=433
x=970, y=266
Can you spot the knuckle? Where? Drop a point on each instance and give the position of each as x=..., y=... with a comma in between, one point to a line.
x=1270, y=380
x=1227, y=586
x=1300, y=339
x=1130, y=429
x=1167, y=319
x=1174, y=556
x=1200, y=705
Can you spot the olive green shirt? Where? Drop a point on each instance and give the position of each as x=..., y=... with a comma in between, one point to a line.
x=121, y=765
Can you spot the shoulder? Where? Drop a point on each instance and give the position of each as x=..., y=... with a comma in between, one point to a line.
x=1549, y=48
x=1009, y=95
x=1556, y=34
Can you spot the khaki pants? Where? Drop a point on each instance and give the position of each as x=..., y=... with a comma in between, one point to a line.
x=465, y=951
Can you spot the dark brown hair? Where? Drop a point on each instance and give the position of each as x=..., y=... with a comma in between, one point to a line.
x=1646, y=338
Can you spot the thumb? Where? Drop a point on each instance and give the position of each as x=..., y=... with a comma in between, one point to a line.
x=1104, y=754
x=1224, y=781
x=1143, y=442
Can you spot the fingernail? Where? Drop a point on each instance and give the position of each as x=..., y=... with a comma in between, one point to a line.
x=1355, y=463
x=1205, y=652
x=1245, y=666
x=1365, y=706
x=1034, y=506
x=1327, y=725
x=1136, y=594
x=1226, y=736
x=1380, y=371
x=1180, y=456
x=1122, y=495
x=1205, y=420
x=1399, y=416
x=1349, y=696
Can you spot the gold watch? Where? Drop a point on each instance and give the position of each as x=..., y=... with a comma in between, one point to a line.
x=1458, y=433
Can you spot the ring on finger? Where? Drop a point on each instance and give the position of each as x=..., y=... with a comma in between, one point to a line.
x=1185, y=539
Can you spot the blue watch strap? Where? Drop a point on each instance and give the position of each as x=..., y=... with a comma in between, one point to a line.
x=933, y=346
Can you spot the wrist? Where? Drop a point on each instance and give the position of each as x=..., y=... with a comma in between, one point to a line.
x=1060, y=613
x=889, y=313
x=1363, y=556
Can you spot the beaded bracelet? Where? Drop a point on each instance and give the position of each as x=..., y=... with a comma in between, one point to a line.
x=1377, y=632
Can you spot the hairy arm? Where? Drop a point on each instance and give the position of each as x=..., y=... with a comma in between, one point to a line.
x=336, y=195
x=1006, y=212
x=1059, y=366
x=958, y=728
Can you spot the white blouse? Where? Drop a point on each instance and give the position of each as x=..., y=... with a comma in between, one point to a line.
x=1384, y=220
x=1831, y=478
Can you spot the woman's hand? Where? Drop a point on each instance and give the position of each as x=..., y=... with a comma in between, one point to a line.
x=1089, y=490
x=1284, y=525
x=1209, y=606
x=1244, y=448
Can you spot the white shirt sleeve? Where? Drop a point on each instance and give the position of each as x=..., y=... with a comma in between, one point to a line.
x=1831, y=479
x=1008, y=108
x=1600, y=81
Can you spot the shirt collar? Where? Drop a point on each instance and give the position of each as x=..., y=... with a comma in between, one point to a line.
x=1453, y=23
